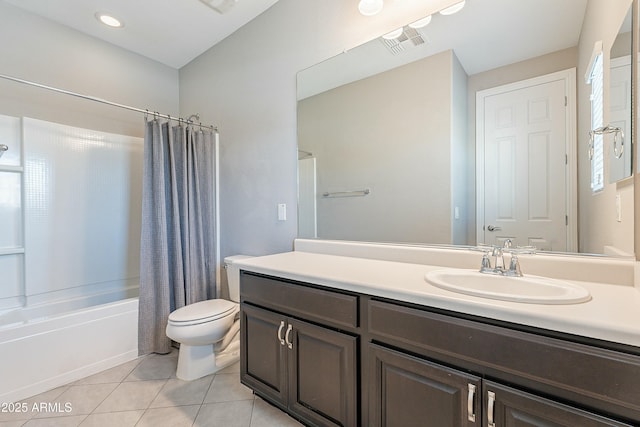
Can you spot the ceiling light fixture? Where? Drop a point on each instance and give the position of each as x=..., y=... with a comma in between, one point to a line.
x=421, y=23
x=370, y=7
x=109, y=20
x=453, y=9
x=393, y=34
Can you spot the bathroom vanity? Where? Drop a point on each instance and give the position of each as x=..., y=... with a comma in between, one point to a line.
x=324, y=339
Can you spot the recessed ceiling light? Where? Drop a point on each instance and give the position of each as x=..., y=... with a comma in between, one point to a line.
x=109, y=20
x=453, y=9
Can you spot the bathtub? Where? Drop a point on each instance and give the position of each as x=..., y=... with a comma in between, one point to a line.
x=49, y=345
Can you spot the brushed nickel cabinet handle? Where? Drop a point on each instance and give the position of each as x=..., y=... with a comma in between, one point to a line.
x=471, y=414
x=491, y=409
x=280, y=332
x=288, y=335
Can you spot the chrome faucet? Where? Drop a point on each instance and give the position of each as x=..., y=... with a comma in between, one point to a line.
x=497, y=252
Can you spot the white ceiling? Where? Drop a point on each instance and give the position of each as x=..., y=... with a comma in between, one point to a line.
x=172, y=32
x=485, y=35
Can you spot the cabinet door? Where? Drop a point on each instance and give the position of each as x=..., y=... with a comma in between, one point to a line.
x=408, y=391
x=323, y=375
x=262, y=356
x=507, y=407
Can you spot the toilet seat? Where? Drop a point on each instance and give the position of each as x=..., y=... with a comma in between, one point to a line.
x=202, y=312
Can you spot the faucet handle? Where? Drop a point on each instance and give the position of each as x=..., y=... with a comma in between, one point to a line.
x=486, y=262
x=514, y=266
x=485, y=265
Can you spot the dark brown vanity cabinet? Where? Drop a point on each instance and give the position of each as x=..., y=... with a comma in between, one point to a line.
x=577, y=376
x=509, y=407
x=308, y=370
x=335, y=358
x=406, y=391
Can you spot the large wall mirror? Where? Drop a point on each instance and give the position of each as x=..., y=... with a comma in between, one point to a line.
x=473, y=129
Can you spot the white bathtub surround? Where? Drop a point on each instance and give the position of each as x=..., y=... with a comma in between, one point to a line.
x=82, y=198
x=611, y=314
x=11, y=234
x=57, y=346
x=69, y=256
x=179, y=253
x=70, y=198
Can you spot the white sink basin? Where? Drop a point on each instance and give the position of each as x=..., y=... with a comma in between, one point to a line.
x=527, y=289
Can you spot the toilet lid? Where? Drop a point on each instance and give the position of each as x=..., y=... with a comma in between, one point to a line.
x=203, y=311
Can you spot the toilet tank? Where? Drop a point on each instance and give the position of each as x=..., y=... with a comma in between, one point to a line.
x=233, y=275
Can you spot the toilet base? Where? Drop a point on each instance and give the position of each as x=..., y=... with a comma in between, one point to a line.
x=197, y=361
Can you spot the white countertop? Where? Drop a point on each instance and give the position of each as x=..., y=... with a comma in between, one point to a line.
x=613, y=313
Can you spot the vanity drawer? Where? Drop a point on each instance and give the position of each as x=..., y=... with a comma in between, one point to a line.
x=328, y=307
x=591, y=376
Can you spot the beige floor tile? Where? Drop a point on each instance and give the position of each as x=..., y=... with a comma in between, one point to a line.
x=76, y=400
x=266, y=415
x=20, y=413
x=177, y=392
x=227, y=387
x=231, y=369
x=114, y=375
x=227, y=414
x=173, y=353
x=145, y=392
x=113, y=419
x=154, y=368
x=72, y=421
x=131, y=396
x=26, y=407
x=47, y=396
x=177, y=416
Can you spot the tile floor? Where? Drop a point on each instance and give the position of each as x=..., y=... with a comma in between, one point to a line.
x=146, y=392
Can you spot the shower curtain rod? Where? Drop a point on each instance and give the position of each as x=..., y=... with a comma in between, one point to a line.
x=104, y=101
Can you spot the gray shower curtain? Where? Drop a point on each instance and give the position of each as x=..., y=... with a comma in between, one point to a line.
x=177, y=253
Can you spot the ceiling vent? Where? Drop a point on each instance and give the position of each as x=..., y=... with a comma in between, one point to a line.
x=220, y=6
x=409, y=38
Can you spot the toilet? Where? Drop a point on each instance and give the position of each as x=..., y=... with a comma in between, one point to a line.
x=208, y=331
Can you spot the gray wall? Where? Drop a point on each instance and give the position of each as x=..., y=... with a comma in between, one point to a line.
x=247, y=85
x=42, y=51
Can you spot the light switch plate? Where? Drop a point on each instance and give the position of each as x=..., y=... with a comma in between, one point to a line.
x=282, y=211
